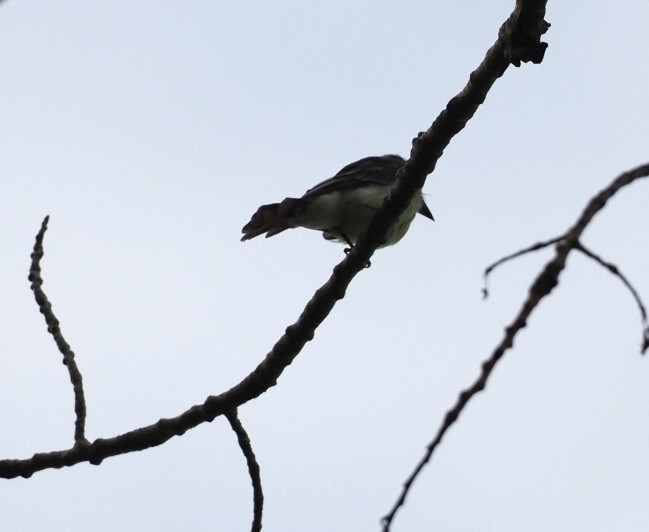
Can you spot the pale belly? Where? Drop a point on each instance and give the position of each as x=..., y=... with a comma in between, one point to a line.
x=350, y=212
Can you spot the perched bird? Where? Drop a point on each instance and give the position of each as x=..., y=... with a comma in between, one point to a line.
x=341, y=207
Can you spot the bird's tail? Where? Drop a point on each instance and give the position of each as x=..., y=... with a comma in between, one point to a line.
x=271, y=219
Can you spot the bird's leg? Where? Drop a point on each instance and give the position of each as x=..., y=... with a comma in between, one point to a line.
x=347, y=250
x=344, y=237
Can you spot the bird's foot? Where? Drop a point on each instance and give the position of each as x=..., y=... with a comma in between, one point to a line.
x=347, y=250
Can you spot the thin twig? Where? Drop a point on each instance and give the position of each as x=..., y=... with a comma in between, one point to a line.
x=53, y=327
x=543, y=285
x=617, y=273
x=253, y=467
x=519, y=253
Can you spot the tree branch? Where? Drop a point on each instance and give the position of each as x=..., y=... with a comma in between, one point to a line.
x=614, y=270
x=515, y=255
x=253, y=467
x=518, y=40
x=53, y=327
x=543, y=285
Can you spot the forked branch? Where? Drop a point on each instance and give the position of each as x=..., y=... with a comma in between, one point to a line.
x=519, y=40
x=543, y=285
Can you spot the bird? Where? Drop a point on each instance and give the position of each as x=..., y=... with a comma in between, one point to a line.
x=342, y=206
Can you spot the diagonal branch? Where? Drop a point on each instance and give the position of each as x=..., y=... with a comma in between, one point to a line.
x=253, y=467
x=53, y=327
x=518, y=40
x=542, y=286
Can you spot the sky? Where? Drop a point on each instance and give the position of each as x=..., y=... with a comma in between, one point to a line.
x=151, y=131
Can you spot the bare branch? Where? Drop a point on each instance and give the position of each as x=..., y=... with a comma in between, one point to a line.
x=253, y=467
x=53, y=327
x=545, y=282
x=518, y=40
x=615, y=271
x=507, y=258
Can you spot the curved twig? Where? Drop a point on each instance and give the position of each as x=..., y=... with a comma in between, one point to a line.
x=507, y=258
x=53, y=327
x=253, y=467
x=617, y=273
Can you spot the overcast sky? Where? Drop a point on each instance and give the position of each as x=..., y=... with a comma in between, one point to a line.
x=151, y=131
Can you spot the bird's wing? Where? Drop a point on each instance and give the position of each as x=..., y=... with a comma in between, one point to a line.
x=367, y=171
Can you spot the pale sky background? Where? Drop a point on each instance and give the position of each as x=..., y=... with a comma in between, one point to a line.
x=151, y=131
